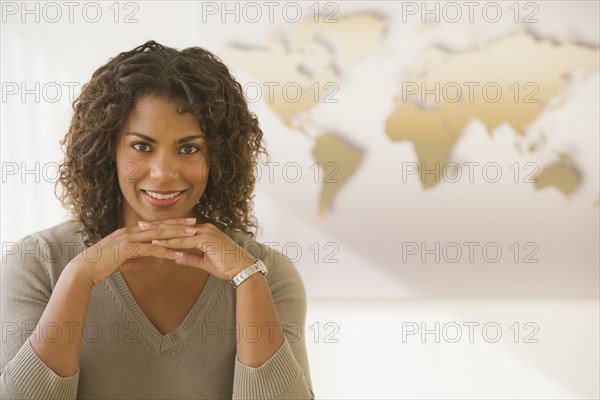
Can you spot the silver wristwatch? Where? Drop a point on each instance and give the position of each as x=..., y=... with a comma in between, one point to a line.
x=247, y=272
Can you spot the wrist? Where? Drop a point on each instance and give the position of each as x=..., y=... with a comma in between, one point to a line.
x=79, y=273
x=245, y=263
x=240, y=268
x=251, y=280
x=256, y=268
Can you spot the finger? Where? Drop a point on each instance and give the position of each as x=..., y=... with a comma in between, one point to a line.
x=165, y=232
x=170, y=221
x=198, y=261
x=186, y=221
x=135, y=252
x=195, y=244
x=198, y=229
x=205, y=242
x=157, y=226
x=183, y=243
x=152, y=250
x=149, y=226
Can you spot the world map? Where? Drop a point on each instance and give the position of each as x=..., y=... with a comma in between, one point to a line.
x=437, y=96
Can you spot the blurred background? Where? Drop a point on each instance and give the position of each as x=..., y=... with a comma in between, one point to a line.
x=434, y=173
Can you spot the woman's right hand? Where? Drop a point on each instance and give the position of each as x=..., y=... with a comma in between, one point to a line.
x=124, y=249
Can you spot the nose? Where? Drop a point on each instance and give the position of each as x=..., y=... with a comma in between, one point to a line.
x=164, y=168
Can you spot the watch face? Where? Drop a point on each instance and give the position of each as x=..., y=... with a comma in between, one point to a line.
x=258, y=266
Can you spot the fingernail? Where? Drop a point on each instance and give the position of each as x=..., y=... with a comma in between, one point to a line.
x=190, y=220
x=157, y=241
x=190, y=231
x=178, y=254
x=144, y=225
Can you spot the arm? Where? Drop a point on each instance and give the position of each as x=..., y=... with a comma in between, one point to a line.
x=275, y=305
x=255, y=310
x=274, y=365
x=40, y=290
x=37, y=364
x=66, y=309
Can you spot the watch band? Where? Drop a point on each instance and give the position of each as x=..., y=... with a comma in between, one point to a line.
x=247, y=272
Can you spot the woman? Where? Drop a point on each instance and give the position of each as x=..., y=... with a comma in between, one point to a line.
x=156, y=288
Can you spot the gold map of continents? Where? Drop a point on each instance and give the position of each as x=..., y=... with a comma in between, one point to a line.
x=526, y=70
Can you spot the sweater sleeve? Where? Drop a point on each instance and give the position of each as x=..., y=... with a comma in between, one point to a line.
x=286, y=374
x=26, y=282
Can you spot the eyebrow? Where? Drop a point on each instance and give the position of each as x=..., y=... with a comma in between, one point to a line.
x=151, y=140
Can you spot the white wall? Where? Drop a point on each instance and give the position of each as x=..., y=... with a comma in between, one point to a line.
x=363, y=304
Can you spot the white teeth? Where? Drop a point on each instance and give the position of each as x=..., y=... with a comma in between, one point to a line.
x=162, y=196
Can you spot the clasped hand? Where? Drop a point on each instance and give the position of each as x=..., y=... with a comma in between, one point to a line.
x=203, y=246
x=180, y=240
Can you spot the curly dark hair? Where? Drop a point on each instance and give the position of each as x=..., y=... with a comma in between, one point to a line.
x=204, y=84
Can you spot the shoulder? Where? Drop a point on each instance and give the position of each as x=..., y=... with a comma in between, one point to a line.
x=52, y=239
x=44, y=253
x=65, y=231
x=59, y=240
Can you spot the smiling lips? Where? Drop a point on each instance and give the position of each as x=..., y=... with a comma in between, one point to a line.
x=163, y=198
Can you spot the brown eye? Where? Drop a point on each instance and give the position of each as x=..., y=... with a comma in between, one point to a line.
x=137, y=145
x=192, y=150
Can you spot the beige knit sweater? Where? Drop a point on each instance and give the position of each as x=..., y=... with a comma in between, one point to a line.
x=123, y=356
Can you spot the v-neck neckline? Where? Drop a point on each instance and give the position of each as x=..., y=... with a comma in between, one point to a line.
x=193, y=318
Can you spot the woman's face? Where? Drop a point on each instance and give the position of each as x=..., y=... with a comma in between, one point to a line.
x=160, y=153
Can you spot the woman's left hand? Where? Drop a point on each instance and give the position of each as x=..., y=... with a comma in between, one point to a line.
x=209, y=248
